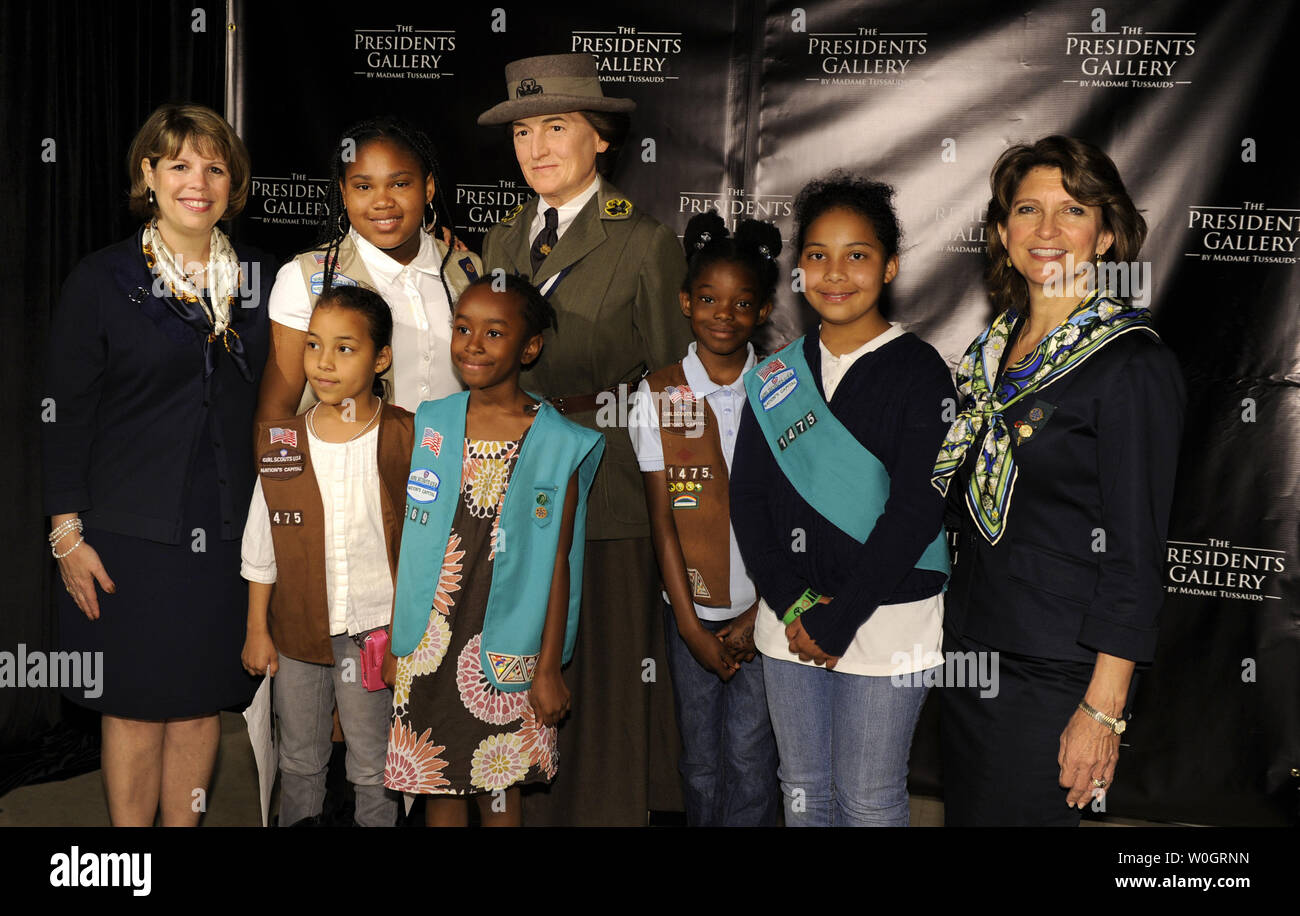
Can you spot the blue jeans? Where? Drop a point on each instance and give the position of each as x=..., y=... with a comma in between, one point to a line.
x=728, y=761
x=844, y=741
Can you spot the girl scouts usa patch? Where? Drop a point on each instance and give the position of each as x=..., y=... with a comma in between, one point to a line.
x=281, y=463
x=779, y=386
x=422, y=486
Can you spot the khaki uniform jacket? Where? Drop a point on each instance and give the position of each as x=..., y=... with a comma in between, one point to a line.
x=619, y=317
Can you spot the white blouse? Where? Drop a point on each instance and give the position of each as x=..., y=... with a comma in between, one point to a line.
x=358, y=582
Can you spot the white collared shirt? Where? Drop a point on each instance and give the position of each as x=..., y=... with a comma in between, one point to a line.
x=358, y=582
x=897, y=638
x=727, y=402
x=422, y=369
x=568, y=212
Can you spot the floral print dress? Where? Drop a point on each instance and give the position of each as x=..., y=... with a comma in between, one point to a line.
x=452, y=732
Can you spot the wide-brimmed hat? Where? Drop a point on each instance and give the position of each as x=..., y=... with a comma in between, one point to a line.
x=552, y=84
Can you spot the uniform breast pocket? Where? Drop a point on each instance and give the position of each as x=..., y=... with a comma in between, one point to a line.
x=545, y=503
x=1052, y=572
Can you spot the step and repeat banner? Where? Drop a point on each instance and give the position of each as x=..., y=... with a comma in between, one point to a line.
x=740, y=103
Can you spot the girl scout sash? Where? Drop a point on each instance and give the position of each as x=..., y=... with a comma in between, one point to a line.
x=528, y=535
x=826, y=464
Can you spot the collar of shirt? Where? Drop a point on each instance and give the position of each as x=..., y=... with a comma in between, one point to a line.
x=382, y=266
x=834, y=368
x=698, y=377
x=567, y=213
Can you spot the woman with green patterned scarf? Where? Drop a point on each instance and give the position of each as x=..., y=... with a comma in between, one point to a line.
x=1061, y=465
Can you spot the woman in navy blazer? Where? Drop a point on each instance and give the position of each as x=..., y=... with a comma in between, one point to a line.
x=156, y=351
x=1061, y=465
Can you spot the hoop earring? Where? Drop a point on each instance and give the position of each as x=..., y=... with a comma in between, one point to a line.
x=431, y=223
x=338, y=222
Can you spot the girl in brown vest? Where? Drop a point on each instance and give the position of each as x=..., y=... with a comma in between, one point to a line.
x=320, y=554
x=684, y=431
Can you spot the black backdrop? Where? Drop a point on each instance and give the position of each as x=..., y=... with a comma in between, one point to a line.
x=741, y=102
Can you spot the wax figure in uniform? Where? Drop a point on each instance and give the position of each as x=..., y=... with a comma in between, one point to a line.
x=612, y=272
x=388, y=202
x=156, y=350
x=1060, y=466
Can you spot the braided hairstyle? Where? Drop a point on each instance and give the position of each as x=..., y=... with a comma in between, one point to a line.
x=755, y=247
x=539, y=314
x=334, y=226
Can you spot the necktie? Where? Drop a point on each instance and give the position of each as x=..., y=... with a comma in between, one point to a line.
x=546, y=239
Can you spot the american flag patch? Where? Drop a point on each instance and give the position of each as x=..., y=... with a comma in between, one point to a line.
x=767, y=369
x=288, y=436
x=432, y=441
x=680, y=394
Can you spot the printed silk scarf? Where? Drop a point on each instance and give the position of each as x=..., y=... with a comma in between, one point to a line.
x=187, y=300
x=1097, y=320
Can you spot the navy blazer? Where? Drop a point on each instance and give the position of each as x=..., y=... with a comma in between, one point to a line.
x=1079, y=568
x=130, y=401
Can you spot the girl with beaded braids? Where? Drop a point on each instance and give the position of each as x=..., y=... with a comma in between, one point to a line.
x=683, y=428
x=387, y=208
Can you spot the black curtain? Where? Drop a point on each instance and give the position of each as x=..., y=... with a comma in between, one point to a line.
x=77, y=79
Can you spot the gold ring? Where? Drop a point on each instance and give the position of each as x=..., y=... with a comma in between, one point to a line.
x=1099, y=783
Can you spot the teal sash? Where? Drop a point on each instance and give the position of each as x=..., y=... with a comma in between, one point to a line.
x=528, y=535
x=824, y=462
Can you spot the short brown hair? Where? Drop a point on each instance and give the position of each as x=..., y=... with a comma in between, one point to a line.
x=165, y=134
x=1088, y=175
x=612, y=127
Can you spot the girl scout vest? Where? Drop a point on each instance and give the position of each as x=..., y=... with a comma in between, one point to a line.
x=696, y=471
x=824, y=462
x=461, y=270
x=299, y=611
x=528, y=535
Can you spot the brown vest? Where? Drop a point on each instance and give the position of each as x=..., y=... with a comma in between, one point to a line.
x=696, y=470
x=299, y=611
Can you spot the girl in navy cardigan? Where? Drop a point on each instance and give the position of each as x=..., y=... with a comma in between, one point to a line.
x=838, y=523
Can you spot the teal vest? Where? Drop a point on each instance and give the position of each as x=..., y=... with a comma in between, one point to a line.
x=824, y=462
x=528, y=535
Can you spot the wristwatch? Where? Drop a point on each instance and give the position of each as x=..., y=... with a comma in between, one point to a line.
x=1114, y=724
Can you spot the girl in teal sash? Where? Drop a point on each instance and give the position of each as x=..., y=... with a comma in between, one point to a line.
x=485, y=612
x=837, y=522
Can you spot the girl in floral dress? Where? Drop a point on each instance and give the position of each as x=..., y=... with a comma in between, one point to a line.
x=462, y=727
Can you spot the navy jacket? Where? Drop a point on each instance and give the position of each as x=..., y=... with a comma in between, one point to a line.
x=130, y=400
x=1079, y=568
x=892, y=401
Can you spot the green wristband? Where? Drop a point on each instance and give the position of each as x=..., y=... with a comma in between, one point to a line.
x=806, y=601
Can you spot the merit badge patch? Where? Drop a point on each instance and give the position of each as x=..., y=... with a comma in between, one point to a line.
x=779, y=386
x=318, y=282
x=617, y=206
x=432, y=440
x=698, y=588
x=467, y=266
x=422, y=486
x=281, y=463
x=685, y=501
